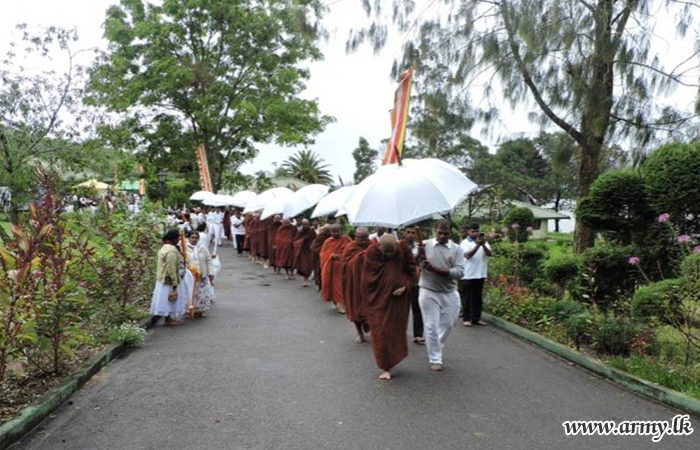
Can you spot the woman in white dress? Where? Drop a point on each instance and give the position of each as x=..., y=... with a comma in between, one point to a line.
x=200, y=264
x=171, y=291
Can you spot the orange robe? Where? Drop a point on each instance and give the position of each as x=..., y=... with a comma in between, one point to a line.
x=331, y=278
x=284, y=246
x=351, y=270
x=388, y=315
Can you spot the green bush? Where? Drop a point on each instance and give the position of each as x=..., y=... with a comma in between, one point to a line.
x=517, y=221
x=690, y=267
x=562, y=270
x=657, y=300
x=607, y=275
x=612, y=335
x=564, y=309
x=578, y=328
x=672, y=177
x=617, y=207
x=130, y=333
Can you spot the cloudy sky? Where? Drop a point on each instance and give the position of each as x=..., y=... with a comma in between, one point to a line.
x=355, y=88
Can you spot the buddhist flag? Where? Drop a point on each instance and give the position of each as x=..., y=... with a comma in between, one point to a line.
x=399, y=117
x=204, y=177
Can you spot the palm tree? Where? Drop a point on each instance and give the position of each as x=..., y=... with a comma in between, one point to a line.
x=307, y=166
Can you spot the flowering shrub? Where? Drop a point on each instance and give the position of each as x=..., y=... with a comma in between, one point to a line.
x=130, y=333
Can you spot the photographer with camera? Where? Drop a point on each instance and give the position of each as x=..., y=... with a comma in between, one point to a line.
x=471, y=287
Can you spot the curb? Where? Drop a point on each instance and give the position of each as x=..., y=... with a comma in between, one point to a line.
x=33, y=415
x=626, y=380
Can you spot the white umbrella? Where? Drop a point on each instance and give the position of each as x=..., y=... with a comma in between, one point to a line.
x=201, y=195
x=216, y=200
x=241, y=199
x=331, y=203
x=304, y=199
x=275, y=207
x=396, y=196
x=264, y=198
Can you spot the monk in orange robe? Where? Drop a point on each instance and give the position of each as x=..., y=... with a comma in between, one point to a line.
x=323, y=234
x=303, y=254
x=284, y=247
x=246, y=227
x=388, y=274
x=272, y=241
x=351, y=271
x=331, y=278
x=254, y=238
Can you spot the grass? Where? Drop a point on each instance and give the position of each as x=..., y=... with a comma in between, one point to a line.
x=682, y=379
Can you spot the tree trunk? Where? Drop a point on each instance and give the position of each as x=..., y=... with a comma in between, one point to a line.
x=556, y=208
x=583, y=236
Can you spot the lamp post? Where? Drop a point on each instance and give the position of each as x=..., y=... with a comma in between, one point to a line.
x=162, y=176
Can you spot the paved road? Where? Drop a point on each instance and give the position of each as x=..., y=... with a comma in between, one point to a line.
x=275, y=368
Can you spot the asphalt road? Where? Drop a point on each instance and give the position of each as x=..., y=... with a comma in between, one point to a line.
x=273, y=367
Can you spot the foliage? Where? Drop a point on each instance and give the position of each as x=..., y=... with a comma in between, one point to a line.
x=225, y=75
x=519, y=222
x=130, y=333
x=522, y=262
x=307, y=166
x=565, y=56
x=658, y=300
x=578, y=328
x=607, y=275
x=672, y=176
x=690, y=267
x=32, y=110
x=612, y=335
x=617, y=206
x=661, y=372
x=563, y=270
x=365, y=160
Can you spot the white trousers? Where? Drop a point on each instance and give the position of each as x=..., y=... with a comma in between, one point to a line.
x=440, y=310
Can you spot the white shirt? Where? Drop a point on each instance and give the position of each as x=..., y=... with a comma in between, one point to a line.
x=477, y=266
x=237, y=226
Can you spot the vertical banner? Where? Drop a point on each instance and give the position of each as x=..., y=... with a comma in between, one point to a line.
x=204, y=177
x=399, y=118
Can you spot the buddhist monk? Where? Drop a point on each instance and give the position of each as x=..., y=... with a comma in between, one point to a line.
x=323, y=234
x=303, y=255
x=272, y=241
x=351, y=270
x=284, y=244
x=264, y=246
x=246, y=235
x=254, y=238
x=331, y=278
x=388, y=274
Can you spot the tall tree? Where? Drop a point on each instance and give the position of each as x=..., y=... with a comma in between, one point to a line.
x=365, y=160
x=561, y=153
x=34, y=106
x=227, y=74
x=589, y=66
x=307, y=166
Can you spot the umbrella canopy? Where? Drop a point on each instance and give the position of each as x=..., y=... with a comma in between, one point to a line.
x=201, y=195
x=217, y=200
x=331, y=203
x=275, y=207
x=241, y=199
x=93, y=184
x=303, y=199
x=264, y=198
x=396, y=196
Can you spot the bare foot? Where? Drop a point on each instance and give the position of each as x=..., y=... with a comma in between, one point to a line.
x=360, y=339
x=305, y=284
x=385, y=376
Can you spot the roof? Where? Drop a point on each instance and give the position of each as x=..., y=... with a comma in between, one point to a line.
x=540, y=213
x=129, y=185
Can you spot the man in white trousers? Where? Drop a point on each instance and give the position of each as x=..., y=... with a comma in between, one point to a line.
x=442, y=263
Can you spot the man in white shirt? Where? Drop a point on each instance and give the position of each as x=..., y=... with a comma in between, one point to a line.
x=238, y=231
x=471, y=287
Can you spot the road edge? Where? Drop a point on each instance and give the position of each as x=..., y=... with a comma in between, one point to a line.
x=627, y=381
x=31, y=416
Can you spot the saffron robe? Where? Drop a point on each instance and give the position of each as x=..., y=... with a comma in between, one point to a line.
x=254, y=236
x=316, y=246
x=351, y=273
x=331, y=278
x=263, y=242
x=285, y=246
x=271, y=236
x=388, y=315
x=303, y=255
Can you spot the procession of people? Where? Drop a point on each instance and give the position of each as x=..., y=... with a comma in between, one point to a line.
x=376, y=280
